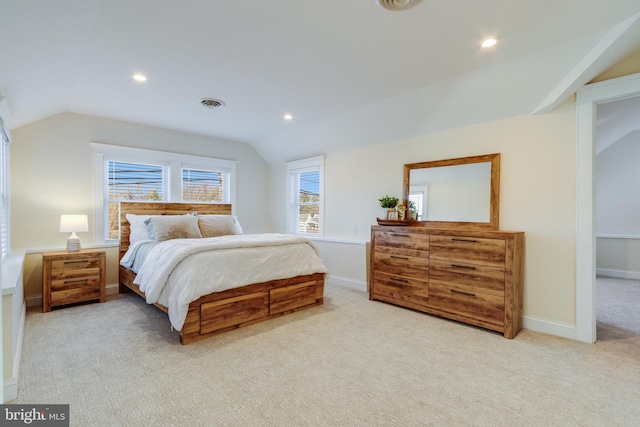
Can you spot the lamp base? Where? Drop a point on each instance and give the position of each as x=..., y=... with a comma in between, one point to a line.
x=73, y=244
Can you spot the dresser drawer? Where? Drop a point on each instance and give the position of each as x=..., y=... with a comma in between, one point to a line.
x=400, y=287
x=401, y=265
x=468, y=249
x=416, y=242
x=483, y=277
x=467, y=301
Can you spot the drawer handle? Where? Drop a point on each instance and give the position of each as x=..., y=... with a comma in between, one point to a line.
x=464, y=240
x=75, y=281
x=400, y=235
x=400, y=257
x=469, y=294
x=82, y=261
x=398, y=279
x=462, y=266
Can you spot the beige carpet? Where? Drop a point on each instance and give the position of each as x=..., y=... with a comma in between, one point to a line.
x=617, y=308
x=351, y=362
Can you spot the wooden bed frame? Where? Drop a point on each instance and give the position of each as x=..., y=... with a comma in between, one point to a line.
x=227, y=310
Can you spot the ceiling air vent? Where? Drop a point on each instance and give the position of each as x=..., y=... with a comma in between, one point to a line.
x=212, y=103
x=397, y=4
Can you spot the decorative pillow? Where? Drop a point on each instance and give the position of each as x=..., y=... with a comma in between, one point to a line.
x=166, y=227
x=218, y=225
x=138, y=228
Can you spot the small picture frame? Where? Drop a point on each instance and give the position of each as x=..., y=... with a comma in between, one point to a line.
x=392, y=215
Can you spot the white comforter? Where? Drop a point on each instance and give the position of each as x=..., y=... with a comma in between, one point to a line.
x=179, y=271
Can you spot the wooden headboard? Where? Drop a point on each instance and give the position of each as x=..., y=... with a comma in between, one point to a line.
x=163, y=208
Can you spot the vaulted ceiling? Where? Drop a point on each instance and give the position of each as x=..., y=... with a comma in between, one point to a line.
x=350, y=72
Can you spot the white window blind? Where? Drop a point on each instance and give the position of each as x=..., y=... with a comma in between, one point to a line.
x=127, y=181
x=4, y=193
x=207, y=186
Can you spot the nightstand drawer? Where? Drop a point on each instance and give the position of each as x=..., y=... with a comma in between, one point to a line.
x=69, y=296
x=70, y=283
x=63, y=269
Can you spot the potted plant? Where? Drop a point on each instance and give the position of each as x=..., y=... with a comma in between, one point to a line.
x=388, y=203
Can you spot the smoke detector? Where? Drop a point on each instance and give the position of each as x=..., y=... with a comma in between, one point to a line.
x=397, y=4
x=212, y=103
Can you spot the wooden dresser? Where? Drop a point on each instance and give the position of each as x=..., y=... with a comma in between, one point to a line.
x=71, y=277
x=472, y=276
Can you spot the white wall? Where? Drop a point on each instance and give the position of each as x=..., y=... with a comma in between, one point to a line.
x=537, y=196
x=618, y=208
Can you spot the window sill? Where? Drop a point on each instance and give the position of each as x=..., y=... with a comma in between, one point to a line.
x=11, y=273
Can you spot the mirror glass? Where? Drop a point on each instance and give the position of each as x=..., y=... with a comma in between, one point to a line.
x=455, y=192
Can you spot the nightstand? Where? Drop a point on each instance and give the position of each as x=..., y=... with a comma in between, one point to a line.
x=71, y=277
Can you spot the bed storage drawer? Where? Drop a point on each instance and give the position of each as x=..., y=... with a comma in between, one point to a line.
x=233, y=311
x=291, y=297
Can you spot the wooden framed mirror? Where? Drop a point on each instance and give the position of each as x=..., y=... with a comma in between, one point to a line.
x=455, y=193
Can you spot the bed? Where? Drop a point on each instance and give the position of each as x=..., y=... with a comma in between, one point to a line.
x=228, y=309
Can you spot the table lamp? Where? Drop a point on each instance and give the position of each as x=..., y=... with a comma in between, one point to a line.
x=72, y=224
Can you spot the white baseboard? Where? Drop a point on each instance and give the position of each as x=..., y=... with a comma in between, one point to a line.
x=10, y=386
x=348, y=283
x=551, y=328
x=619, y=274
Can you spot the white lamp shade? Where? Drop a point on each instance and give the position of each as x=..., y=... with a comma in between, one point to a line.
x=71, y=223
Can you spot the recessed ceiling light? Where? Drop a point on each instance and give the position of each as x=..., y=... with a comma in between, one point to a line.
x=139, y=77
x=489, y=42
x=212, y=103
x=397, y=4
x=287, y=117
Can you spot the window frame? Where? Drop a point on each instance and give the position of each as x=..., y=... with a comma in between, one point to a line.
x=294, y=168
x=174, y=163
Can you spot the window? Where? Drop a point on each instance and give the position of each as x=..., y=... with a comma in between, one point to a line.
x=130, y=182
x=4, y=192
x=133, y=174
x=203, y=186
x=305, y=191
x=419, y=195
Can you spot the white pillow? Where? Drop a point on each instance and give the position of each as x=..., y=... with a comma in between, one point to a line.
x=138, y=229
x=166, y=227
x=218, y=225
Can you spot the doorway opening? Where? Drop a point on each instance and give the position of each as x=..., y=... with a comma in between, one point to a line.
x=588, y=100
